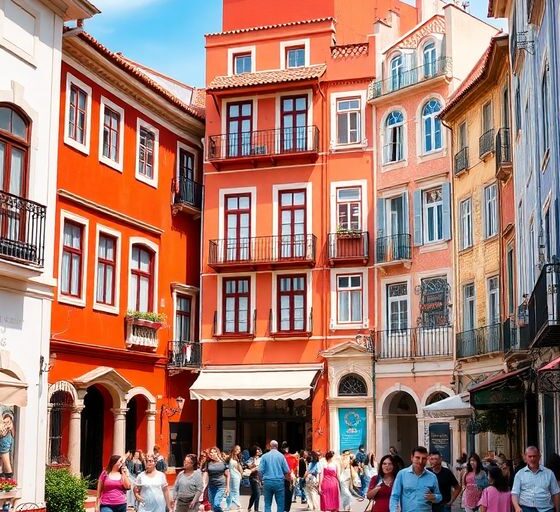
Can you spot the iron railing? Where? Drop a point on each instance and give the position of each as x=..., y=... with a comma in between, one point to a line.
x=22, y=229
x=261, y=143
x=480, y=341
x=461, y=160
x=544, y=303
x=516, y=338
x=349, y=245
x=249, y=332
x=189, y=192
x=486, y=143
x=413, y=76
x=263, y=249
x=185, y=354
x=503, y=148
x=393, y=152
x=279, y=332
x=393, y=248
x=415, y=342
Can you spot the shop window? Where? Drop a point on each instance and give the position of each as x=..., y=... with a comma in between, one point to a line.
x=352, y=385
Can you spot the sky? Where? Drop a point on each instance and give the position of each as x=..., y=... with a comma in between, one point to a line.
x=168, y=35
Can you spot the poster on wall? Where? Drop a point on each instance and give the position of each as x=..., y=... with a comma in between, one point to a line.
x=440, y=440
x=228, y=440
x=352, y=427
x=7, y=433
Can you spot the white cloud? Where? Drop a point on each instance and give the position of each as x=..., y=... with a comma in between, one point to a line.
x=114, y=6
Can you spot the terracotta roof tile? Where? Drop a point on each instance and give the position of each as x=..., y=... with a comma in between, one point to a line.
x=265, y=27
x=267, y=77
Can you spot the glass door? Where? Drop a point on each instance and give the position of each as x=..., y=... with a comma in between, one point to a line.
x=239, y=129
x=238, y=227
x=292, y=224
x=294, y=124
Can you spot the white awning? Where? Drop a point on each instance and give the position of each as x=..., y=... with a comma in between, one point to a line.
x=458, y=405
x=12, y=391
x=253, y=385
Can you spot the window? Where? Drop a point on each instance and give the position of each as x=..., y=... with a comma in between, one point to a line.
x=238, y=226
x=349, y=208
x=545, y=113
x=111, y=134
x=531, y=249
x=396, y=72
x=397, y=306
x=486, y=117
x=295, y=57
x=429, y=59
x=293, y=121
x=14, y=144
x=431, y=126
x=236, y=304
x=146, y=151
x=433, y=213
x=490, y=211
x=106, y=270
x=462, y=136
x=293, y=225
x=349, y=298
x=469, y=312
x=510, y=269
x=242, y=63
x=348, y=121
x=434, y=302
x=547, y=235
x=493, y=290
x=517, y=108
x=183, y=318
x=239, y=128
x=292, y=303
x=72, y=258
x=394, y=136
x=352, y=385
x=77, y=116
x=465, y=208
x=141, y=288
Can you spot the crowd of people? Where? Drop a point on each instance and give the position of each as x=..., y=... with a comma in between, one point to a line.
x=328, y=482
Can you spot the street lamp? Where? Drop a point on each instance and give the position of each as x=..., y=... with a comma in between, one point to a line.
x=171, y=411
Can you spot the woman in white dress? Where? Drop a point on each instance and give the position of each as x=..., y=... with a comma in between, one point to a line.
x=151, y=489
x=345, y=481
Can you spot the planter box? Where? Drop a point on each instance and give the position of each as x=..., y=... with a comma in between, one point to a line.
x=141, y=322
x=341, y=236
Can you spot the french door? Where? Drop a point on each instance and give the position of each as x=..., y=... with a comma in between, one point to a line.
x=239, y=128
x=292, y=224
x=293, y=124
x=238, y=227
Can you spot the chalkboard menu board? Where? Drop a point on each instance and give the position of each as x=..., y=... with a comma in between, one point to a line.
x=440, y=440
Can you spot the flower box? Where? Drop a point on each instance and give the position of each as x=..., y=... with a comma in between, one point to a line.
x=142, y=322
x=348, y=234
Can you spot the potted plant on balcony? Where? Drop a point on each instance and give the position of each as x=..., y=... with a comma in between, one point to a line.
x=343, y=232
x=145, y=319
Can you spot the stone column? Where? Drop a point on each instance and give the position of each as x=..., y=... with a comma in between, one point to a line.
x=119, y=431
x=151, y=429
x=74, y=438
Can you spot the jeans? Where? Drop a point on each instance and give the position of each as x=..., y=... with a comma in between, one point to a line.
x=113, y=508
x=365, y=484
x=301, y=485
x=533, y=509
x=215, y=497
x=288, y=493
x=274, y=488
x=255, y=494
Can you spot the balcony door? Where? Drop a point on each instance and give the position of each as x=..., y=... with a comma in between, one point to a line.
x=293, y=124
x=239, y=128
x=186, y=176
x=395, y=216
x=238, y=227
x=292, y=224
x=397, y=307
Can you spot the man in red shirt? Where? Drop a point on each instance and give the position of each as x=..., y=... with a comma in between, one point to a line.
x=292, y=461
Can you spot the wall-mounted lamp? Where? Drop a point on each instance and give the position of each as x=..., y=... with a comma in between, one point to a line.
x=171, y=411
x=44, y=366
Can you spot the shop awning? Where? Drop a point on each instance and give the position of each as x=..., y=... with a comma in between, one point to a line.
x=13, y=392
x=253, y=384
x=503, y=390
x=452, y=406
x=553, y=365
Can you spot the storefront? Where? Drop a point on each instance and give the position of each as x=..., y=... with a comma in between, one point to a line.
x=548, y=385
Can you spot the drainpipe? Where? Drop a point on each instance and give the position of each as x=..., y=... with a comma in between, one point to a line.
x=201, y=264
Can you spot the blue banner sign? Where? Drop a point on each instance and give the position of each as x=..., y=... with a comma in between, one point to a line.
x=352, y=427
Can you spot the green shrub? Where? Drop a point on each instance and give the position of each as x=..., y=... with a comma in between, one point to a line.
x=65, y=492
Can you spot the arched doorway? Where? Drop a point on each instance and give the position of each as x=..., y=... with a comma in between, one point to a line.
x=92, y=432
x=403, y=425
x=136, y=424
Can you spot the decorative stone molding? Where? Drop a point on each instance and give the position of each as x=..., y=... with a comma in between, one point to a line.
x=436, y=26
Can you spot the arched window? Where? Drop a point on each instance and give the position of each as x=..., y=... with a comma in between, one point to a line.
x=141, y=288
x=14, y=144
x=396, y=72
x=429, y=59
x=431, y=126
x=394, y=137
x=352, y=385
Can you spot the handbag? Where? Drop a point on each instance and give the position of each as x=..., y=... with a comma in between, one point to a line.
x=247, y=472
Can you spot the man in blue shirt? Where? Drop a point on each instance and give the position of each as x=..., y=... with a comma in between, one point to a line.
x=415, y=489
x=273, y=469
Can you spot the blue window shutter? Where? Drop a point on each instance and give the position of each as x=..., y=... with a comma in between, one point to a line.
x=418, y=228
x=405, y=213
x=446, y=209
x=380, y=217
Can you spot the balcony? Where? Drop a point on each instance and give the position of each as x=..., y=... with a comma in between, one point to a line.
x=262, y=252
x=544, y=308
x=184, y=355
x=351, y=247
x=504, y=164
x=141, y=334
x=480, y=342
x=244, y=330
x=188, y=196
x=486, y=144
x=392, y=250
x=414, y=343
x=520, y=40
x=22, y=230
x=461, y=161
x=516, y=340
x=410, y=77
x=299, y=328
x=264, y=147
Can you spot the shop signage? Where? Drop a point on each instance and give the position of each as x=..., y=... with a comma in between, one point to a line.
x=352, y=427
x=228, y=440
x=503, y=396
x=440, y=439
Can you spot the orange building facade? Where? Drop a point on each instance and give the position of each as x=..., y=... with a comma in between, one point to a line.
x=124, y=320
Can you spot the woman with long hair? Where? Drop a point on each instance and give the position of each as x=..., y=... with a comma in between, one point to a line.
x=188, y=485
x=312, y=482
x=235, y=474
x=112, y=485
x=151, y=489
x=474, y=481
x=217, y=478
x=496, y=497
x=381, y=486
x=135, y=466
x=345, y=477
x=252, y=465
x=329, y=489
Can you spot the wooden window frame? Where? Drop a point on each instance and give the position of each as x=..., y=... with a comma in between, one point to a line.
x=236, y=296
x=349, y=291
x=293, y=241
x=348, y=204
x=12, y=141
x=239, y=246
x=179, y=313
x=74, y=111
x=106, y=263
x=66, y=249
x=294, y=148
x=114, y=117
x=137, y=274
x=291, y=294
x=143, y=161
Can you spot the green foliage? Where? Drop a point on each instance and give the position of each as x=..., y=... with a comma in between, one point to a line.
x=65, y=492
x=146, y=315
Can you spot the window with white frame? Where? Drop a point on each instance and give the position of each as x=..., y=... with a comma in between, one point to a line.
x=78, y=114
x=147, y=153
x=111, y=137
x=236, y=299
x=394, y=138
x=397, y=306
x=349, y=208
x=431, y=126
x=397, y=68
x=429, y=59
x=490, y=210
x=465, y=213
x=349, y=298
x=462, y=136
x=295, y=56
x=469, y=307
x=141, y=285
x=242, y=63
x=493, y=293
x=71, y=271
x=433, y=215
x=348, y=121
x=106, y=269
x=487, y=117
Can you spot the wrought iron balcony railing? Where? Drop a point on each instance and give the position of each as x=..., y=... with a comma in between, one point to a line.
x=415, y=342
x=185, y=354
x=264, y=143
x=407, y=78
x=516, y=338
x=486, y=143
x=292, y=327
x=503, y=154
x=393, y=248
x=22, y=229
x=350, y=245
x=480, y=341
x=188, y=192
x=461, y=160
x=544, y=308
